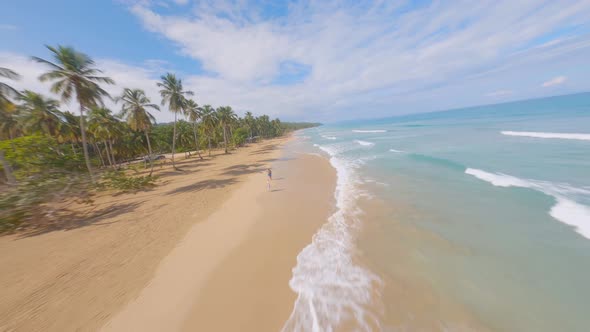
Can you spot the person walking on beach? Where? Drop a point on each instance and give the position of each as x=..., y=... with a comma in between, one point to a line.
x=269, y=174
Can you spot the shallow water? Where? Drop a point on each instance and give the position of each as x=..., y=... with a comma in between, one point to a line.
x=483, y=212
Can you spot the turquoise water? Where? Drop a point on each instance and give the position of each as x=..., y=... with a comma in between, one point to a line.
x=507, y=186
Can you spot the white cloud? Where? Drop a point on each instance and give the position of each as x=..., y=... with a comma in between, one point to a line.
x=499, y=93
x=554, y=81
x=354, y=51
x=8, y=27
x=362, y=58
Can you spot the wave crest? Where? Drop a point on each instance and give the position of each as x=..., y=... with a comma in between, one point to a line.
x=576, y=136
x=364, y=143
x=369, y=131
x=565, y=209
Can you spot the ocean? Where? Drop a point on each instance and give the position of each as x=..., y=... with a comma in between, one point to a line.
x=461, y=220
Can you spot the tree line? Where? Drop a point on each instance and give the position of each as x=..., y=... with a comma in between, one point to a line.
x=38, y=140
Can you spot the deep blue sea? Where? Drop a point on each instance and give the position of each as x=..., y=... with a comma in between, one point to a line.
x=499, y=196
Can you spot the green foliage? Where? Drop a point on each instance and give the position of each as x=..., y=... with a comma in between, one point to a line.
x=118, y=180
x=44, y=174
x=290, y=126
x=240, y=136
x=31, y=155
x=31, y=197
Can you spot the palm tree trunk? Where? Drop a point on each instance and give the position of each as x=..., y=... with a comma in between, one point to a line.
x=209, y=138
x=106, y=149
x=113, y=154
x=196, y=142
x=84, y=145
x=225, y=139
x=97, y=149
x=174, y=141
x=74, y=148
x=7, y=169
x=147, y=137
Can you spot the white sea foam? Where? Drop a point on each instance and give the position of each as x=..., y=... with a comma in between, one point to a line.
x=566, y=209
x=365, y=143
x=397, y=151
x=577, y=136
x=369, y=131
x=329, y=137
x=331, y=288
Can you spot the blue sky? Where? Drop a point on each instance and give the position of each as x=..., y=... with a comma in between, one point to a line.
x=316, y=60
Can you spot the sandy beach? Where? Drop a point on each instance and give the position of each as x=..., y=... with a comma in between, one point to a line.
x=208, y=243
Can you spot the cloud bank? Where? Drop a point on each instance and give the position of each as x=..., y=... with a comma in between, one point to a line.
x=318, y=60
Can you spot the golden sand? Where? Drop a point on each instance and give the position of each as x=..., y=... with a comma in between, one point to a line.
x=207, y=244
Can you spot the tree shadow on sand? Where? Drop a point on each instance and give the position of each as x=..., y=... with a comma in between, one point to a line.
x=205, y=184
x=242, y=169
x=66, y=220
x=264, y=150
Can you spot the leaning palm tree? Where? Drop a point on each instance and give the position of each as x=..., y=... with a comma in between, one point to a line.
x=193, y=111
x=209, y=122
x=10, y=126
x=250, y=123
x=226, y=117
x=134, y=110
x=74, y=73
x=70, y=130
x=39, y=114
x=103, y=126
x=6, y=90
x=173, y=94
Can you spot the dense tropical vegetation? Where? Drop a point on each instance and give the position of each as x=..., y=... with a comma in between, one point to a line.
x=48, y=155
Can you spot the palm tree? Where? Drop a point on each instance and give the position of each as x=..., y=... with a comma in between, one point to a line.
x=103, y=126
x=209, y=122
x=173, y=95
x=277, y=127
x=135, y=103
x=6, y=90
x=40, y=114
x=10, y=127
x=74, y=73
x=193, y=111
x=70, y=129
x=250, y=122
x=226, y=117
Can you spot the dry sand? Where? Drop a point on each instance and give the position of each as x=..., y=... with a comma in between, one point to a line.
x=231, y=272
x=240, y=243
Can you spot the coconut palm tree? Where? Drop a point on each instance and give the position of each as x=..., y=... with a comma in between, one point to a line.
x=74, y=74
x=10, y=127
x=8, y=123
x=70, y=129
x=250, y=123
x=173, y=94
x=6, y=90
x=40, y=114
x=103, y=125
x=193, y=112
x=209, y=122
x=134, y=110
x=226, y=117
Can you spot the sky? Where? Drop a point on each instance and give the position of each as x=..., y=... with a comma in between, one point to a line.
x=314, y=60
